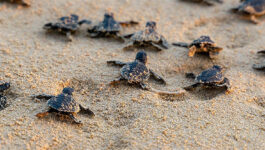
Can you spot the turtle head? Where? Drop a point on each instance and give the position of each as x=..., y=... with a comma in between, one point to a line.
x=68, y=91
x=141, y=57
x=219, y=68
x=151, y=25
x=108, y=15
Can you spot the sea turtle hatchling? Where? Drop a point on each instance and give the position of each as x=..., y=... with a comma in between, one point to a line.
x=147, y=37
x=22, y=2
x=251, y=9
x=260, y=66
x=202, y=45
x=136, y=72
x=207, y=2
x=3, y=101
x=66, y=25
x=210, y=78
x=109, y=27
x=63, y=104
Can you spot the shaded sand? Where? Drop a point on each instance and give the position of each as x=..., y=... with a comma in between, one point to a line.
x=126, y=116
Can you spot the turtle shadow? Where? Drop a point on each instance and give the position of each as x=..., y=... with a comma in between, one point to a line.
x=203, y=94
x=57, y=36
x=148, y=48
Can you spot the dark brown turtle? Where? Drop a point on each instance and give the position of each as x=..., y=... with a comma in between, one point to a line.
x=63, y=104
x=147, y=37
x=66, y=25
x=109, y=27
x=22, y=2
x=3, y=101
x=207, y=2
x=260, y=66
x=136, y=72
x=202, y=45
x=210, y=78
x=251, y=9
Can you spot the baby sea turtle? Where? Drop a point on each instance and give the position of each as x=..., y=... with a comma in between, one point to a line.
x=251, y=9
x=207, y=2
x=136, y=72
x=147, y=37
x=22, y=2
x=202, y=45
x=66, y=25
x=109, y=27
x=3, y=101
x=260, y=66
x=63, y=104
x=209, y=78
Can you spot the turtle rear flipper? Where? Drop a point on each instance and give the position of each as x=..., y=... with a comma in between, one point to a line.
x=86, y=111
x=192, y=87
x=181, y=44
x=128, y=23
x=225, y=83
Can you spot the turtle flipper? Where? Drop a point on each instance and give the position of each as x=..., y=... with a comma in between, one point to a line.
x=69, y=36
x=254, y=19
x=157, y=77
x=192, y=51
x=190, y=75
x=3, y=102
x=42, y=96
x=259, y=66
x=126, y=36
x=4, y=87
x=42, y=114
x=192, y=87
x=149, y=88
x=160, y=47
x=71, y=115
x=225, y=83
x=261, y=52
x=84, y=21
x=114, y=62
x=128, y=23
x=116, y=80
x=181, y=44
x=86, y=110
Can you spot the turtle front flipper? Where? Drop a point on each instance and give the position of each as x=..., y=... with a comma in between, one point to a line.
x=190, y=75
x=72, y=116
x=118, y=63
x=84, y=21
x=157, y=77
x=261, y=52
x=225, y=83
x=86, y=111
x=192, y=51
x=181, y=44
x=149, y=88
x=4, y=87
x=128, y=23
x=43, y=96
x=192, y=87
x=116, y=80
x=3, y=102
x=254, y=19
x=69, y=36
x=259, y=66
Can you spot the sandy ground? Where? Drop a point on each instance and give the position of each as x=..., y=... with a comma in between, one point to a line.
x=126, y=116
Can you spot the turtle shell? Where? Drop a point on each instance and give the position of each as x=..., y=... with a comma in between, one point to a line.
x=109, y=24
x=202, y=42
x=255, y=7
x=65, y=24
x=212, y=75
x=135, y=72
x=64, y=103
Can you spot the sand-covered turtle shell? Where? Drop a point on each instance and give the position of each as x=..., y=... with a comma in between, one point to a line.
x=64, y=103
x=65, y=24
x=147, y=36
x=203, y=41
x=135, y=72
x=109, y=24
x=212, y=75
x=255, y=7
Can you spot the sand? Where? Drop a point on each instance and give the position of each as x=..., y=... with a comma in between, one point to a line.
x=126, y=116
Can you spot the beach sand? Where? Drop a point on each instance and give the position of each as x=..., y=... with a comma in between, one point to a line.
x=128, y=117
